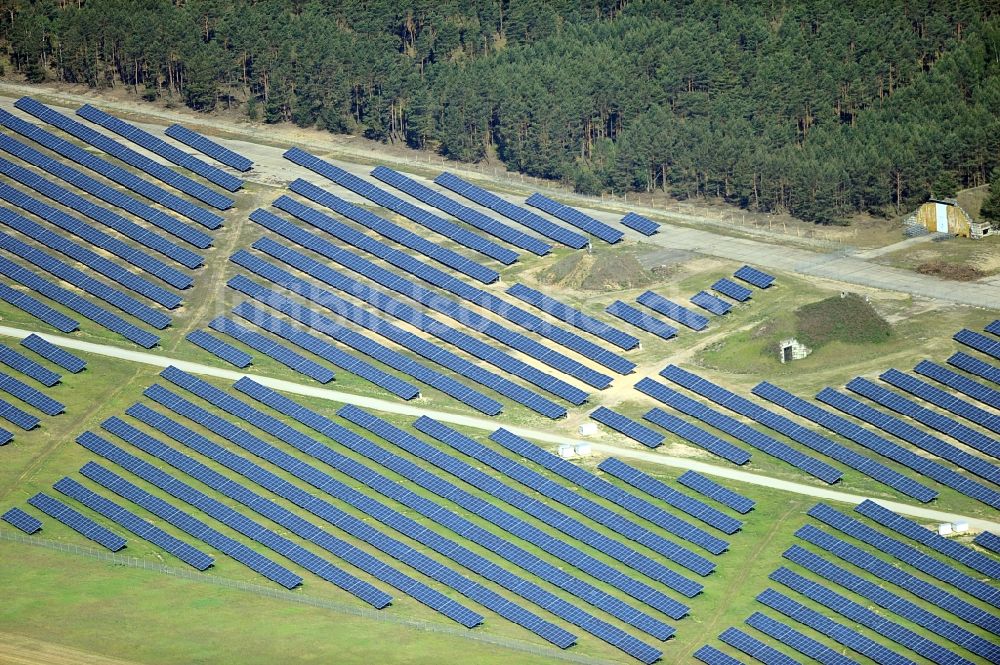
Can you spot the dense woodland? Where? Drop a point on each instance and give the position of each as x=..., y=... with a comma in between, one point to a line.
x=821, y=108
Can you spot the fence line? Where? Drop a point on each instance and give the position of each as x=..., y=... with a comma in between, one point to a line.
x=384, y=616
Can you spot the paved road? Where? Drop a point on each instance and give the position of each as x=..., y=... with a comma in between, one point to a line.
x=407, y=409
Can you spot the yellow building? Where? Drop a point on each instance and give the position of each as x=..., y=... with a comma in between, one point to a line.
x=946, y=216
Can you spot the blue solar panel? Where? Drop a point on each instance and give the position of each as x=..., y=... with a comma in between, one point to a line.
x=114, y=173
x=683, y=428
x=459, y=211
x=627, y=426
x=38, y=309
x=132, y=522
x=714, y=490
x=576, y=218
x=272, y=349
x=672, y=310
x=707, y=301
x=83, y=525
x=53, y=353
x=144, y=236
x=16, y=416
x=29, y=395
x=646, y=227
x=732, y=289
x=798, y=641
x=712, y=656
x=978, y=342
x=5, y=437
x=220, y=349
x=527, y=218
x=660, y=490
x=945, y=400
x=754, y=648
x=160, y=147
x=631, y=315
x=573, y=316
x=421, y=216
x=208, y=147
x=127, y=155
x=988, y=541
x=191, y=526
x=962, y=384
x=28, y=367
x=753, y=276
x=975, y=366
x=21, y=520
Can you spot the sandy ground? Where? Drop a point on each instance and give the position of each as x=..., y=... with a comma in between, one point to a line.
x=21, y=650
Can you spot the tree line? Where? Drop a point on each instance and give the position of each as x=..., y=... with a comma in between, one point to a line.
x=820, y=108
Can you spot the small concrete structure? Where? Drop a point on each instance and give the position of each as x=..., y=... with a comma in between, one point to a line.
x=587, y=429
x=566, y=451
x=960, y=527
x=947, y=217
x=583, y=450
x=944, y=529
x=791, y=349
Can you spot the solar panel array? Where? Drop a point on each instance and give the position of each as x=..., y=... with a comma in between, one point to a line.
x=99, y=190
x=975, y=366
x=707, y=301
x=80, y=523
x=683, y=428
x=573, y=316
x=127, y=155
x=38, y=309
x=712, y=656
x=219, y=348
x=132, y=522
x=978, y=342
x=672, y=310
x=962, y=384
x=993, y=327
x=459, y=211
x=646, y=227
x=208, y=147
x=22, y=520
x=29, y=395
x=796, y=640
x=967, y=435
x=16, y=416
x=631, y=315
x=28, y=367
x=190, y=525
x=945, y=400
x=160, y=147
x=418, y=243
x=713, y=490
x=730, y=288
x=527, y=218
x=99, y=239
x=53, y=353
x=272, y=349
x=425, y=218
x=561, y=521
x=988, y=541
x=744, y=432
x=753, y=276
x=907, y=432
x=576, y=218
x=754, y=648
x=660, y=490
x=117, y=174
x=627, y=426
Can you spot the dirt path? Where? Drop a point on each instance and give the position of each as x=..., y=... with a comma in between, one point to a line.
x=21, y=650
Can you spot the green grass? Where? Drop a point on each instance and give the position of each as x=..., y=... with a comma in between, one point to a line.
x=848, y=319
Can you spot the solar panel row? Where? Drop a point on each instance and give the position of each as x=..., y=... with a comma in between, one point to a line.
x=660, y=490
x=16, y=416
x=417, y=319
x=53, y=353
x=732, y=289
x=38, y=309
x=160, y=147
x=28, y=367
x=713, y=490
x=107, y=194
x=683, y=428
x=80, y=523
x=438, y=303
x=754, y=648
x=975, y=366
x=99, y=239
x=576, y=218
x=988, y=541
x=707, y=301
x=573, y=316
x=962, y=384
x=798, y=641
x=882, y=569
x=630, y=314
x=753, y=276
x=208, y=147
x=219, y=348
x=191, y=526
x=993, y=327
x=524, y=217
x=272, y=349
x=114, y=173
x=672, y=310
x=22, y=520
x=133, y=523
x=561, y=521
x=506, y=548
x=286, y=331
x=712, y=656
x=127, y=155
x=978, y=342
x=29, y=395
x=468, y=215
x=379, y=196
x=73, y=277
x=646, y=227
x=627, y=426
x=945, y=400
x=5, y=437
